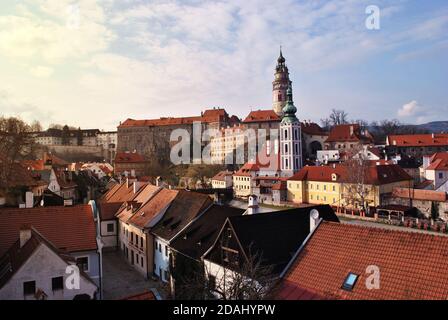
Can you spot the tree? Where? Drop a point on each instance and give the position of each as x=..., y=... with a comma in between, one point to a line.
x=337, y=117
x=356, y=189
x=16, y=143
x=434, y=210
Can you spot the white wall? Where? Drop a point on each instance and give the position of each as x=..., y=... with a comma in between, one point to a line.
x=42, y=266
x=109, y=239
x=161, y=258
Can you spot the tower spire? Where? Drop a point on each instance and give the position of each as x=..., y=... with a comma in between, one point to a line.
x=280, y=84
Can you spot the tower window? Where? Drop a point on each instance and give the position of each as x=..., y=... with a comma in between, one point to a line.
x=296, y=134
x=286, y=134
x=279, y=97
x=286, y=148
x=286, y=164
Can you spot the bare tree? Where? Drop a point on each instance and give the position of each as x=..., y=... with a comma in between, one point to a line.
x=356, y=189
x=337, y=117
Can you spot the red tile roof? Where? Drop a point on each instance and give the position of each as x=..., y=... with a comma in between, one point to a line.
x=374, y=174
x=262, y=116
x=33, y=164
x=129, y=157
x=208, y=116
x=312, y=128
x=70, y=228
x=347, y=133
x=222, y=175
x=438, y=161
x=107, y=210
x=410, y=264
x=418, y=140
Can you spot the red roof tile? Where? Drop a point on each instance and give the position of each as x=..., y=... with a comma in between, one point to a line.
x=129, y=157
x=375, y=174
x=410, y=264
x=107, y=210
x=210, y=115
x=418, y=140
x=262, y=116
x=347, y=133
x=312, y=128
x=222, y=175
x=438, y=161
x=72, y=228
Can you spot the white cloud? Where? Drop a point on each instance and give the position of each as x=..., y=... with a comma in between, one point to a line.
x=409, y=109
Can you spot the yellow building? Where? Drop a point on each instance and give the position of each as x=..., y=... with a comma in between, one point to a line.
x=243, y=180
x=338, y=186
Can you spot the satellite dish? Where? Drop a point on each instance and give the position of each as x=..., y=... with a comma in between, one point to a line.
x=314, y=214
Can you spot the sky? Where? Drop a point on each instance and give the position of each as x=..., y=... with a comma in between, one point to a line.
x=94, y=63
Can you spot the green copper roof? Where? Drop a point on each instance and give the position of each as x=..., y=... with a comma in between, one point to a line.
x=289, y=110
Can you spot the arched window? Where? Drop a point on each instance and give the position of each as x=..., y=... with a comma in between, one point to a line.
x=279, y=97
x=286, y=148
x=286, y=134
x=286, y=164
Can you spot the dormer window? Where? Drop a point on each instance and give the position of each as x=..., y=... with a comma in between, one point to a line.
x=334, y=177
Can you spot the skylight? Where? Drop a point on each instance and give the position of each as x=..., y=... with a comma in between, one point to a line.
x=350, y=281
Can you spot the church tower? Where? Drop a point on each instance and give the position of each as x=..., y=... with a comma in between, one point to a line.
x=280, y=85
x=290, y=138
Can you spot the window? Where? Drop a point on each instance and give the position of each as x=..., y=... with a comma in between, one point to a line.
x=166, y=251
x=110, y=227
x=57, y=283
x=141, y=242
x=160, y=247
x=141, y=261
x=350, y=282
x=83, y=263
x=29, y=287
x=440, y=175
x=286, y=134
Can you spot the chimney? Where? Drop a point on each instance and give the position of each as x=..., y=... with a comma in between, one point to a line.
x=252, y=207
x=137, y=186
x=25, y=235
x=433, y=135
x=351, y=130
x=29, y=199
x=314, y=219
x=159, y=181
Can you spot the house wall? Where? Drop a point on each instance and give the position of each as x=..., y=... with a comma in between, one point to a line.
x=42, y=266
x=223, y=276
x=242, y=186
x=335, y=193
x=109, y=239
x=94, y=264
x=136, y=252
x=161, y=259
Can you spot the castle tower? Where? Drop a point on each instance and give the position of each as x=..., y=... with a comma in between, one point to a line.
x=290, y=138
x=280, y=85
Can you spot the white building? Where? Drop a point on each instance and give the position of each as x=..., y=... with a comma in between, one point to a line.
x=222, y=180
x=34, y=269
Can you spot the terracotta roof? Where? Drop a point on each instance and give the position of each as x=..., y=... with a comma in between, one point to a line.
x=418, y=194
x=312, y=128
x=222, y=175
x=280, y=185
x=18, y=176
x=128, y=157
x=246, y=169
x=186, y=206
x=409, y=264
x=418, y=140
x=438, y=161
x=374, y=174
x=262, y=116
x=144, y=215
x=347, y=133
x=210, y=115
x=107, y=210
x=33, y=164
x=70, y=228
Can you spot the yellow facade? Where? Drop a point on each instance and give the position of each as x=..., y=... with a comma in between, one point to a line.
x=337, y=193
x=242, y=186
